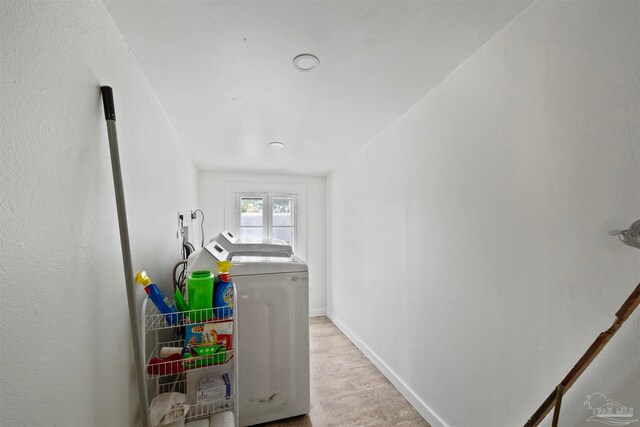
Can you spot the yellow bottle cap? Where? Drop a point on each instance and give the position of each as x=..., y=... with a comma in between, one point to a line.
x=143, y=279
x=224, y=266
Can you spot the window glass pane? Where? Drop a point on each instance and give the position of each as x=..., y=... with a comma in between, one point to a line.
x=282, y=211
x=284, y=234
x=251, y=234
x=251, y=211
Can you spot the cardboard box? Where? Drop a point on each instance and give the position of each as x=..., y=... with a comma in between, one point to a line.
x=211, y=333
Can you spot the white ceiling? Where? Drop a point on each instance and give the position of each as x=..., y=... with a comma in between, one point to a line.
x=223, y=71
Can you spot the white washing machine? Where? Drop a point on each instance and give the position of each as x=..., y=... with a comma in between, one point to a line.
x=273, y=328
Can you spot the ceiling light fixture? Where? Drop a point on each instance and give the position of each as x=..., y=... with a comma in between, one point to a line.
x=276, y=145
x=305, y=62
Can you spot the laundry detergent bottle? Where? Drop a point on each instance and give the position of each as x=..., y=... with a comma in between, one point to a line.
x=200, y=290
x=223, y=299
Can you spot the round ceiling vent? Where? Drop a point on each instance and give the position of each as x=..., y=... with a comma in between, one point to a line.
x=305, y=62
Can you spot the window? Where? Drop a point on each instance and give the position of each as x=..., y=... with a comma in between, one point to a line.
x=266, y=216
x=251, y=218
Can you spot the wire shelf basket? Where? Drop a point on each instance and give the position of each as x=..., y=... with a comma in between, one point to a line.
x=161, y=367
x=173, y=366
x=201, y=409
x=154, y=320
x=205, y=410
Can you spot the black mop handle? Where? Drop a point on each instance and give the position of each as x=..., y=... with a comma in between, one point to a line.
x=107, y=101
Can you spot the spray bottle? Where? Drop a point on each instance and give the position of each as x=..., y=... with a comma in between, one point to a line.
x=164, y=305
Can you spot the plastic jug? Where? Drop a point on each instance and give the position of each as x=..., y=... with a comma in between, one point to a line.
x=223, y=299
x=200, y=290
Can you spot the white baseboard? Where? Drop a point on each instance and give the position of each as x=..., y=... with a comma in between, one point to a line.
x=423, y=409
x=317, y=312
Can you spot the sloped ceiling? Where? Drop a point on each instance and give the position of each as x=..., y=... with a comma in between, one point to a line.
x=223, y=71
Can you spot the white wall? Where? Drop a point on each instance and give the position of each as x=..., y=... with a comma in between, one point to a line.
x=66, y=354
x=469, y=246
x=215, y=198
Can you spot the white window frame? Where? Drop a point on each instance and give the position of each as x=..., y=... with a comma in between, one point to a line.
x=237, y=212
x=267, y=213
x=251, y=185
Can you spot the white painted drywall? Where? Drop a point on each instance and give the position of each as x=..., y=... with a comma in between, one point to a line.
x=66, y=354
x=468, y=242
x=216, y=199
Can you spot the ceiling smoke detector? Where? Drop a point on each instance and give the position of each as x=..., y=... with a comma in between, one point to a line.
x=305, y=62
x=276, y=145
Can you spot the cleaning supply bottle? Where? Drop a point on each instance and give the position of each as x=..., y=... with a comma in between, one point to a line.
x=154, y=293
x=200, y=293
x=223, y=299
x=180, y=302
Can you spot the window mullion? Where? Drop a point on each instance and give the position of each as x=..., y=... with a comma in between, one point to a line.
x=237, y=215
x=266, y=217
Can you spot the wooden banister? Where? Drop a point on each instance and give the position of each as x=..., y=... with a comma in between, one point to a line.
x=598, y=344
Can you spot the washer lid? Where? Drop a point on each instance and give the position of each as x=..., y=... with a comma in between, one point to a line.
x=245, y=265
x=235, y=245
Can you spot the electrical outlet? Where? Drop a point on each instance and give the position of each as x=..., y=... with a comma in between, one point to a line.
x=193, y=215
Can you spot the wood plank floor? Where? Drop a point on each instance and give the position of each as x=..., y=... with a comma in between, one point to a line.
x=346, y=389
